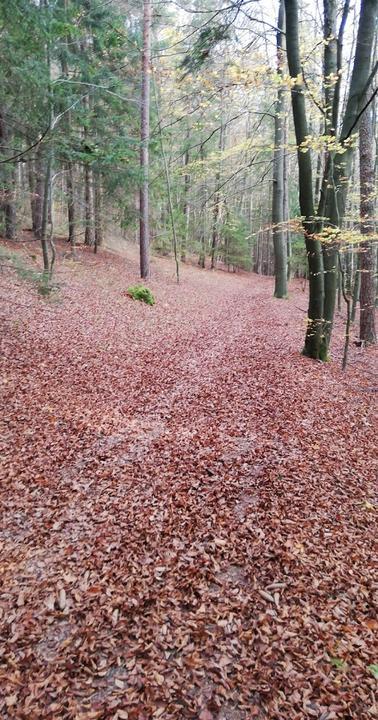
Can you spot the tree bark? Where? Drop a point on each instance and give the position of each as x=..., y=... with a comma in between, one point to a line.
x=314, y=345
x=217, y=196
x=184, y=244
x=330, y=63
x=10, y=209
x=279, y=236
x=39, y=185
x=89, y=237
x=45, y=215
x=186, y=208
x=323, y=274
x=32, y=192
x=70, y=185
x=89, y=206
x=71, y=205
x=144, y=231
x=286, y=202
x=202, y=253
x=340, y=164
x=98, y=229
x=356, y=287
x=8, y=185
x=367, y=260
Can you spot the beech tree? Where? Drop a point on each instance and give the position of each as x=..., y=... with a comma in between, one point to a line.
x=366, y=251
x=323, y=253
x=278, y=203
x=144, y=237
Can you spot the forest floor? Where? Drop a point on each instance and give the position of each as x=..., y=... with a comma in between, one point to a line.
x=189, y=505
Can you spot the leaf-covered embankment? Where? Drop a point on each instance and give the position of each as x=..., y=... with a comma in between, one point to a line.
x=188, y=504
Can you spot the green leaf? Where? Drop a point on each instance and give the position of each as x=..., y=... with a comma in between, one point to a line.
x=338, y=663
x=374, y=670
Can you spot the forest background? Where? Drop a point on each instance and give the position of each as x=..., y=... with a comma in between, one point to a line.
x=256, y=114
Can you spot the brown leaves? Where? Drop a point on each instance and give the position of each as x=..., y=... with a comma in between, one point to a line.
x=206, y=715
x=189, y=527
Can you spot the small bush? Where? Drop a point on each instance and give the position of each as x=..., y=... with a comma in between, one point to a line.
x=139, y=292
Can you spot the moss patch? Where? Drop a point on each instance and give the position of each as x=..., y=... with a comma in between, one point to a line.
x=142, y=293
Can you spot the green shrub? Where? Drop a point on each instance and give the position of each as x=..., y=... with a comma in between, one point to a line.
x=139, y=292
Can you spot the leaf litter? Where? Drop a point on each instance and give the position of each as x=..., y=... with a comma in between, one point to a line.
x=188, y=505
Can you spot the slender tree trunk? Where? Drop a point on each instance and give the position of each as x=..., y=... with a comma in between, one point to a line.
x=169, y=191
x=39, y=185
x=286, y=204
x=202, y=253
x=330, y=62
x=279, y=237
x=89, y=206
x=348, y=269
x=71, y=212
x=184, y=244
x=10, y=205
x=89, y=237
x=144, y=231
x=217, y=196
x=318, y=179
x=356, y=287
x=32, y=192
x=47, y=181
x=314, y=346
x=216, y=209
x=8, y=184
x=367, y=260
x=98, y=228
x=45, y=215
x=70, y=185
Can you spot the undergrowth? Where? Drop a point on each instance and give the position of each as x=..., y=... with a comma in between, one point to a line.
x=17, y=263
x=142, y=293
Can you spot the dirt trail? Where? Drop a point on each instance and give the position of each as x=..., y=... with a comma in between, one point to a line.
x=189, y=505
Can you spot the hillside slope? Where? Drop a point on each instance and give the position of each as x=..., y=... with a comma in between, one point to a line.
x=189, y=505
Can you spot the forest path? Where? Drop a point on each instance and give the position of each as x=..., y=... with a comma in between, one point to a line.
x=188, y=505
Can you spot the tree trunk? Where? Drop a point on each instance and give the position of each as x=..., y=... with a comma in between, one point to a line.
x=70, y=185
x=8, y=184
x=279, y=236
x=89, y=206
x=338, y=167
x=98, y=229
x=314, y=346
x=341, y=162
x=356, y=287
x=367, y=260
x=217, y=196
x=216, y=209
x=184, y=244
x=202, y=253
x=32, y=192
x=39, y=185
x=45, y=192
x=70, y=205
x=144, y=231
x=286, y=203
x=10, y=209
x=45, y=215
